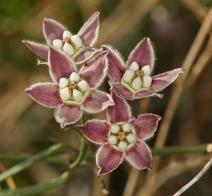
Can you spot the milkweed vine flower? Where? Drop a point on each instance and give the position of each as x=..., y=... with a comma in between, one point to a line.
x=72, y=91
x=78, y=46
x=134, y=80
x=121, y=137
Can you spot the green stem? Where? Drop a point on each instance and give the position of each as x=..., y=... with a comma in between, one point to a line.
x=155, y=152
x=51, y=184
x=32, y=190
x=83, y=149
x=51, y=160
x=84, y=118
x=23, y=165
x=179, y=150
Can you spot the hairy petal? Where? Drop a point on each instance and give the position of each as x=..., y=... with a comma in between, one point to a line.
x=139, y=156
x=117, y=67
x=145, y=125
x=45, y=94
x=39, y=49
x=161, y=81
x=85, y=54
x=94, y=71
x=97, y=101
x=52, y=30
x=108, y=159
x=122, y=90
x=120, y=112
x=90, y=30
x=60, y=65
x=147, y=93
x=143, y=54
x=95, y=130
x=67, y=114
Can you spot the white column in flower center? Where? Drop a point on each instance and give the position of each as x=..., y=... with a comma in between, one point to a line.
x=121, y=136
x=70, y=43
x=73, y=88
x=137, y=79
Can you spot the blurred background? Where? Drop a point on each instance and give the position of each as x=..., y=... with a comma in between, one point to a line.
x=26, y=128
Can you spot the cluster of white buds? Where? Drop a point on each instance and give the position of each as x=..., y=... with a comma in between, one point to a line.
x=122, y=136
x=73, y=88
x=137, y=79
x=70, y=43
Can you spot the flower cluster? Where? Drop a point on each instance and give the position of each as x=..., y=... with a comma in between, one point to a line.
x=74, y=90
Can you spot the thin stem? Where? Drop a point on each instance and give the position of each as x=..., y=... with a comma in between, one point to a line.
x=84, y=118
x=32, y=190
x=197, y=177
x=83, y=149
x=155, y=152
x=23, y=165
x=179, y=150
x=18, y=158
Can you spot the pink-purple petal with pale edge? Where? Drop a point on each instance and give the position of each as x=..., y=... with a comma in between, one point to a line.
x=120, y=112
x=60, y=65
x=145, y=125
x=52, y=30
x=46, y=94
x=117, y=67
x=90, y=30
x=97, y=101
x=139, y=156
x=39, y=49
x=95, y=130
x=67, y=114
x=85, y=54
x=122, y=90
x=147, y=93
x=108, y=159
x=161, y=81
x=143, y=54
x=94, y=71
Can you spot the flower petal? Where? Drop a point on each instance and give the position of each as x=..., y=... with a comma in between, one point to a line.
x=122, y=90
x=94, y=71
x=52, y=30
x=39, y=49
x=143, y=54
x=108, y=159
x=161, y=81
x=97, y=101
x=45, y=94
x=147, y=93
x=85, y=54
x=67, y=114
x=90, y=30
x=60, y=65
x=145, y=125
x=120, y=112
x=95, y=130
x=117, y=67
x=139, y=156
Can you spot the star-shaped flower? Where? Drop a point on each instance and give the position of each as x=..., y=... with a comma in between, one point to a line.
x=121, y=137
x=71, y=91
x=78, y=47
x=134, y=80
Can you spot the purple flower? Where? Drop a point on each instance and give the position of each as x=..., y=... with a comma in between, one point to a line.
x=78, y=47
x=71, y=91
x=134, y=80
x=121, y=137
